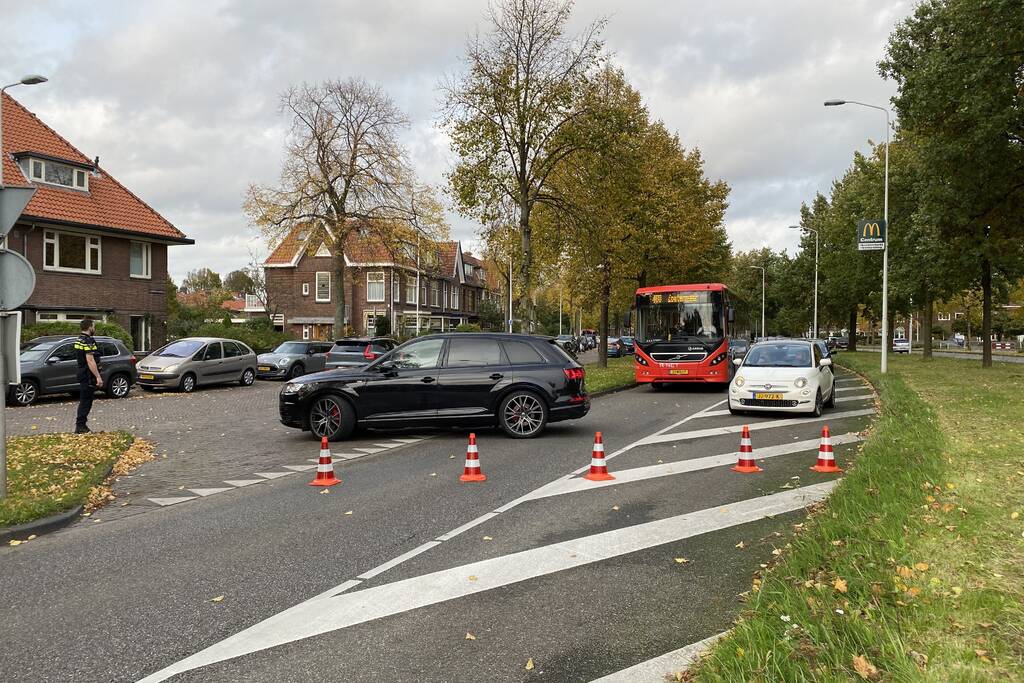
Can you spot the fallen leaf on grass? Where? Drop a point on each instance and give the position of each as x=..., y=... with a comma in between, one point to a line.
x=470, y=636
x=983, y=655
x=840, y=585
x=920, y=659
x=905, y=572
x=864, y=668
x=529, y=664
x=13, y=542
x=219, y=598
x=1014, y=515
x=921, y=566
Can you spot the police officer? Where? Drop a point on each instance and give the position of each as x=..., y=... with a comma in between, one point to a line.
x=89, y=378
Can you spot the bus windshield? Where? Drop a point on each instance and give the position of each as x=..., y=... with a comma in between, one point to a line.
x=676, y=316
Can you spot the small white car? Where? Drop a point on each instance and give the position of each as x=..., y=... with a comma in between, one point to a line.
x=787, y=375
x=901, y=345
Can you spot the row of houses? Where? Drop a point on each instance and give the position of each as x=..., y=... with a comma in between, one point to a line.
x=100, y=251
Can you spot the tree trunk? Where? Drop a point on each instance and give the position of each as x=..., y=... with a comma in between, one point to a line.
x=889, y=331
x=339, y=291
x=851, y=331
x=986, y=312
x=527, y=235
x=927, y=311
x=606, y=295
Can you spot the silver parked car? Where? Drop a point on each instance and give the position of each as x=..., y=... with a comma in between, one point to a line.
x=292, y=359
x=198, y=361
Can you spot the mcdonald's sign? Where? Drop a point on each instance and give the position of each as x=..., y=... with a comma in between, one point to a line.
x=871, y=235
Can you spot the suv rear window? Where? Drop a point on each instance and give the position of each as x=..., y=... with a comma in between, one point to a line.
x=349, y=346
x=523, y=353
x=108, y=348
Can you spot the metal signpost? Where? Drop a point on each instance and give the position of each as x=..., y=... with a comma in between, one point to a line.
x=871, y=235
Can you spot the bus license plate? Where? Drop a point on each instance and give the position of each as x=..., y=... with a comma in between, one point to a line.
x=768, y=397
x=679, y=372
x=146, y=377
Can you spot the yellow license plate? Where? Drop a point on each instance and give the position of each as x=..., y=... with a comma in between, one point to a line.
x=679, y=372
x=264, y=368
x=146, y=377
x=768, y=397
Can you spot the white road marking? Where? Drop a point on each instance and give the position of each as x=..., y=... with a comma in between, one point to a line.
x=388, y=445
x=346, y=456
x=299, y=468
x=661, y=668
x=272, y=475
x=209, y=492
x=564, y=486
x=754, y=426
x=398, y=560
x=859, y=397
x=407, y=440
x=369, y=451
x=171, y=501
x=243, y=482
x=468, y=525
x=323, y=615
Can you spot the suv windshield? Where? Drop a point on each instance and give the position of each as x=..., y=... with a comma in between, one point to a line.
x=291, y=347
x=36, y=350
x=179, y=349
x=778, y=356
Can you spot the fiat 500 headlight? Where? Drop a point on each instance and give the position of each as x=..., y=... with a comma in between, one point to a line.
x=739, y=381
x=800, y=382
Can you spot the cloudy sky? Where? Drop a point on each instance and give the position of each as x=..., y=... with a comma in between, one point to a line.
x=180, y=99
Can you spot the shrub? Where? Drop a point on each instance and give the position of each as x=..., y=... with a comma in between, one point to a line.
x=71, y=328
x=468, y=327
x=258, y=334
x=382, y=325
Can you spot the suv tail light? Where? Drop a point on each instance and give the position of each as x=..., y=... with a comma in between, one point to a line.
x=368, y=353
x=134, y=360
x=574, y=373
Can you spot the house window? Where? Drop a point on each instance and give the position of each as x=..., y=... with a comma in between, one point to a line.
x=455, y=297
x=71, y=252
x=253, y=303
x=55, y=173
x=323, y=286
x=467, y=270
x=305, y=331
x=67, y=316
x=943, y=316
x=410, y=289
x=375, y=286
x=141, y=331
x=435, y=294
x=396, y=288
x=958, y=315
x=444, y=294
x=371, y=323
x=305, y=289
x=140, y=261
x=423, y=292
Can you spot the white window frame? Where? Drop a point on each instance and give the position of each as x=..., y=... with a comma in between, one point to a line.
x=943, y=316
x=305, y=333
x=92, y=242
x=68, y=316
x=147, y=334
x=319, y=299
x=370, y=321
x=396, y=288
x=378, y=282
x=305, y=289
x=147, y=261
x=435, y=293
x=410, y=289
x=76, y=174
x=958, y=315
x=455, y=297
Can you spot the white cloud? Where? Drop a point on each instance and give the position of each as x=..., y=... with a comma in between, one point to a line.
x=180, y=99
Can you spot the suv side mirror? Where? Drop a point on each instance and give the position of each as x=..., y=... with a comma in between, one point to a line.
x=387, y=367
x=52, y=360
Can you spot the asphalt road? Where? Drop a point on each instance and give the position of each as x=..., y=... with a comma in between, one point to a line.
x=383, y=577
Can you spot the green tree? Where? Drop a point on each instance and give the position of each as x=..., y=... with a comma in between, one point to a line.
x=239, y=282
x=490, y=314
x=958, y=66
x=201, y=280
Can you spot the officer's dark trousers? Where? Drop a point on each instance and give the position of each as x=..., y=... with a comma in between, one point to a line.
x=86, y=392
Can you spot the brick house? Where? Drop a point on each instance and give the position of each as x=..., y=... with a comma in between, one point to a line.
x=97, y=249
x=379, y=282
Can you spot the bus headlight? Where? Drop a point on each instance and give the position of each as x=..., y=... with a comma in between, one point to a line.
x=739, y=381
x=800, y=382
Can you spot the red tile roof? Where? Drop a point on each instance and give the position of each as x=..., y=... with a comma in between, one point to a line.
x=107, y=204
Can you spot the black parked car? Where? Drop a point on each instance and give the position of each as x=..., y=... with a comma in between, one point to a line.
x=48, y=366
x=354, y=352
x=517, y=382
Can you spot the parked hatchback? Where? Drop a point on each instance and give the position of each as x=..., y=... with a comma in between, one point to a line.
x=354, y=352
x=49, y=366
x=198, y=361
x=517, y=382
x=292, y=359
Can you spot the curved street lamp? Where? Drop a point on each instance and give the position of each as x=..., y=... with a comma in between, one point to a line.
x=30, y=79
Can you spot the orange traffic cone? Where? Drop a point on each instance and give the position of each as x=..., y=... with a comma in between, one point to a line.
x=598, y=465
x=826, y=460
x=472, y=471
x=325, y=468
x=745, y=462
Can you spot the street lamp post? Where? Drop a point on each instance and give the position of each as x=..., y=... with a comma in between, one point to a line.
x=885, y=251
x=763, y=333
x=31, y=79
x=800, y=227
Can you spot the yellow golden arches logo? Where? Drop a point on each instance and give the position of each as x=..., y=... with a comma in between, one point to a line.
x=871, y=230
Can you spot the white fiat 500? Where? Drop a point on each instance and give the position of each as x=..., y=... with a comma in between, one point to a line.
x=782, y=376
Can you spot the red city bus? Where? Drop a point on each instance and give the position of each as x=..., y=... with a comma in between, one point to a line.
x=682, y=334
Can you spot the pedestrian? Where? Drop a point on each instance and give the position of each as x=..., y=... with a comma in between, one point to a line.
x=89, y=378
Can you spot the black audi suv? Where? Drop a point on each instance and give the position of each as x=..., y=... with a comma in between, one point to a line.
x=516, y=382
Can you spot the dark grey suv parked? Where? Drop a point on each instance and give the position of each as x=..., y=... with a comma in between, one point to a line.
x=48, y=366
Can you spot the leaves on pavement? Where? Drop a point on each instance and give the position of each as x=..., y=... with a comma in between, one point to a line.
x=219, y=598
x=529, y=664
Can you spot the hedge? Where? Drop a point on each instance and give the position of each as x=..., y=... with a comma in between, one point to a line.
x=71, y=328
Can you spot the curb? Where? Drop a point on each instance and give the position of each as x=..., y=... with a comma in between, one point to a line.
x=616, y=390
x=41, y=526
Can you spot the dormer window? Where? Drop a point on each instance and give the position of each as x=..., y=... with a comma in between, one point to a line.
x=55, y=173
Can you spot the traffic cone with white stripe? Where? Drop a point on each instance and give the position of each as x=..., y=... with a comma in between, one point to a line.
x=598, y=465
x=325, y=468
x=472, y=471
x=745, y=460
x=826, y=458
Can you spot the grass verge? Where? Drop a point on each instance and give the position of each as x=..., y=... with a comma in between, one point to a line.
x=617, y=375
x=911, y=570
x=50, y=473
